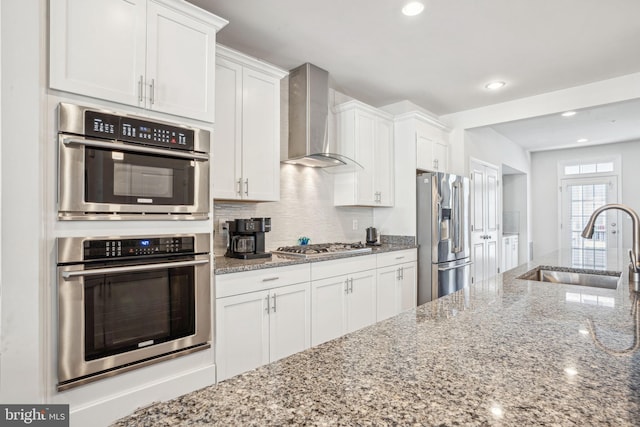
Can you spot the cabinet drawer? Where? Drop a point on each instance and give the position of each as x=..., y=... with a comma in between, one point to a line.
x=257, y=280
x=396, y=257
x=338, y=267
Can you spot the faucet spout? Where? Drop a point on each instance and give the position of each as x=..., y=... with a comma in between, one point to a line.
x=587, y=233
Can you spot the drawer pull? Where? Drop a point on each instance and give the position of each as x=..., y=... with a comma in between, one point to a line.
x=400, y=257
x=270, y=279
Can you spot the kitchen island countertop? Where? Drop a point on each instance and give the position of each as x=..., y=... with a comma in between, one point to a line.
x=503, y=351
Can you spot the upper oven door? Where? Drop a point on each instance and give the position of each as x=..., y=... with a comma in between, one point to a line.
x=102, y=177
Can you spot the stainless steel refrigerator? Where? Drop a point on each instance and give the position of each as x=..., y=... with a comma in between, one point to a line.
x=444, y=264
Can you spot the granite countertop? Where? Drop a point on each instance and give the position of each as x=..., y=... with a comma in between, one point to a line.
x=224, y=265
x=500, y=352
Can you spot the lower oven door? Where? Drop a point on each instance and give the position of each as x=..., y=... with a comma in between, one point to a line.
x=102, y=177
x=112, y=317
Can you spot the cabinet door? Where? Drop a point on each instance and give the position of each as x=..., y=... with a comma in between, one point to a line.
x=361, y=300
x=260, y=136
x=227, y=142
x=290, y=321
x=386, y=292
x=180, y=64
x=328, y=317
x=383, y=171
x=424, y=152
x=97, y=48
x=441, y=155
x=242, y=333
x=365, y=155
x=408, y=286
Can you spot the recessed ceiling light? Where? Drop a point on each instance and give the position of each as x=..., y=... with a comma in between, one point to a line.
x=568, y=114
x=582, y=140
x=494, y=85
x=413, y=8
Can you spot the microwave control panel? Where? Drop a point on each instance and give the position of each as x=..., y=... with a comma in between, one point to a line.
x=129, y=129
x=125, y=248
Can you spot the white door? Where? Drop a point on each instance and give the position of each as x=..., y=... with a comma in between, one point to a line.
x=383, y=172
x=260, y=136
x=328, y=319
x=361, y=300
x=580, y=197
x=98, y=48
x=227, y=137
x=180, y=64
x=386, y=292
x=408, y=286
x=290, y=320
x=365, y=155
x=485, y=222
x=242, y=333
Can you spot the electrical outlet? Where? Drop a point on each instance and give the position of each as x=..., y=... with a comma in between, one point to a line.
x=223, y=227
x=354, y=224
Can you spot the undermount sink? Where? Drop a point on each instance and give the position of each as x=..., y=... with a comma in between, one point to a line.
x=594, y=279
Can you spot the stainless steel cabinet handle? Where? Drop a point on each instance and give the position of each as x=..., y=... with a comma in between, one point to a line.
x=152, y=95
x=270, y=279
x=133, y=148
x=613, y=232
x=398, y=274
x=267, y=303
x=401, y=273
x=351, y=286
x=274, y=303
x=239, y=190
x=400, y=257
x=346, y=286
x=246, y=186
x=140, y=83
x=149, y=267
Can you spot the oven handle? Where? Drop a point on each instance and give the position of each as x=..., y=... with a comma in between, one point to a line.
x=134, y=148
x=98, y=271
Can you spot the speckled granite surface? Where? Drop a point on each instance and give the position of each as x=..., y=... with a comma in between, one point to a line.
x=501, y=352
x=224, y=265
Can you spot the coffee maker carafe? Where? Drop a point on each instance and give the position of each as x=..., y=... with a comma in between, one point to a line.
x=246, y=238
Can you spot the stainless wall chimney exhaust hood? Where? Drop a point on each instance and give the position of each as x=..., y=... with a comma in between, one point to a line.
x=309, y=124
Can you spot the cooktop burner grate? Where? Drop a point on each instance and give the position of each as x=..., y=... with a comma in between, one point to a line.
x=322, y=249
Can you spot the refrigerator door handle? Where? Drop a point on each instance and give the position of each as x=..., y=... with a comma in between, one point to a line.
x=457, y=202
x=453, y=267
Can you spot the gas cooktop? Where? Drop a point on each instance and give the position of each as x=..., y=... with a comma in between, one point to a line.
x=319, y=249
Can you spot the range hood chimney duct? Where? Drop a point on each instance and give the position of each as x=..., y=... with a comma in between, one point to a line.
x=309, y=122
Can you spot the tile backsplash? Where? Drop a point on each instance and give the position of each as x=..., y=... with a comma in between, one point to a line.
x=305, y=209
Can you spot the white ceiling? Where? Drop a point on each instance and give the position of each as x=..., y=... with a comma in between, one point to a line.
x=441, y=59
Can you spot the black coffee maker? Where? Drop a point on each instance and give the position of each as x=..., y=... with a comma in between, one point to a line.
x=246, y=238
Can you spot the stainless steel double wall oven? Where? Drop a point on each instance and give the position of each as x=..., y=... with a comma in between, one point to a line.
x=128, y=301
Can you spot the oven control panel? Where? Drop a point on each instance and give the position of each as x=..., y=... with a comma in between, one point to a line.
x=125, y=128
x=125, y=248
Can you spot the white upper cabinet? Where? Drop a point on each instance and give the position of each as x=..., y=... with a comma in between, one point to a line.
x=365, y=134
x=154, y=54
x=246, y=142
x=431, y=140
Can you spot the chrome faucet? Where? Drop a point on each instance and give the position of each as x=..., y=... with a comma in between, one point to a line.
x=634, y=266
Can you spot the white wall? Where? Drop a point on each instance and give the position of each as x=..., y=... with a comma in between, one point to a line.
x=544, y=169
x=489, y=146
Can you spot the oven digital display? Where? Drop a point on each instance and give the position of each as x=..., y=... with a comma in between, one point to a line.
x=123, y=128
x=122, y=248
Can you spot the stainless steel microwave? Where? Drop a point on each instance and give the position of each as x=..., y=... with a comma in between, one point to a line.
x=121, y=166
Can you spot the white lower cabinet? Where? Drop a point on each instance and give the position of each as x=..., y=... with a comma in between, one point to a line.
x=343, y=297
x=342, y=304
x=262, y=326
x=396, y=283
